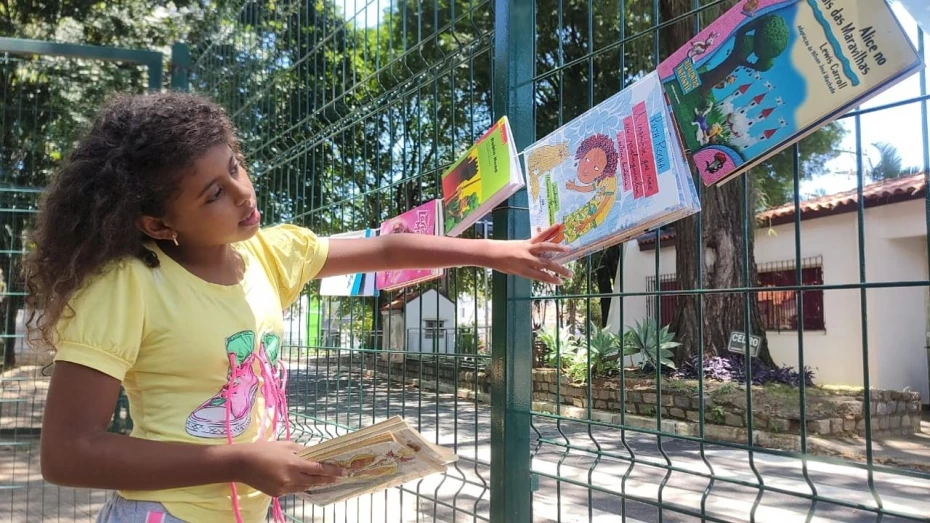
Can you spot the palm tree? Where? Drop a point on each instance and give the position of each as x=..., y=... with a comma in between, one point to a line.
x=890, y=164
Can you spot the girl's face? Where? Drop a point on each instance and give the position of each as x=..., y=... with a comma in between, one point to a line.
x=592, y=165
x=216, y=203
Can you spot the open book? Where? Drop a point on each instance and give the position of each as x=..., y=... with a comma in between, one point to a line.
x=384, y=455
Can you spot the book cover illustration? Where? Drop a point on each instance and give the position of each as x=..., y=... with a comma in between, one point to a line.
x=611, y=173
x=360, y=284
x=486, y=175
x=423, y=219
x=768, y=72
x=379, y=461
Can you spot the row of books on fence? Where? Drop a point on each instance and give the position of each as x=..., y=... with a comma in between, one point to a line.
x=758, y=79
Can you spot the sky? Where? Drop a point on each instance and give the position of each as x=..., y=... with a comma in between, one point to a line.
x=899, y=126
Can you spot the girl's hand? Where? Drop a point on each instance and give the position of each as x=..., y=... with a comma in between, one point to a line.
x=527, y=258
x=274, y=468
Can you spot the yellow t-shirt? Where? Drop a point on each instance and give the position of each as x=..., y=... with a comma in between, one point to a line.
x=175, y=341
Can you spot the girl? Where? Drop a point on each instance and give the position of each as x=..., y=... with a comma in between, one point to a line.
x=150, y=270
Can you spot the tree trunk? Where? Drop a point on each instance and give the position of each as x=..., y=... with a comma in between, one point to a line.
x=723, y=242
x=606, y=273
x=724, y=268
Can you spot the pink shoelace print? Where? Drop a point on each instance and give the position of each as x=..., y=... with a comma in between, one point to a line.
x=273, y=388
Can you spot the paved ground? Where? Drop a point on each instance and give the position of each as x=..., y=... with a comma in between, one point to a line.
x=588, y=488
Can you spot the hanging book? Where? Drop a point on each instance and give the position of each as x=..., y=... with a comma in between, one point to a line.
x=423, y=219
x=481, y=179
x=611, y=174
x=359, y=284
x=769, y=72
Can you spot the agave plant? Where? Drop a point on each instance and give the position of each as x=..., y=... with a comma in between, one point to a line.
x=652, y=344
x=561, y=346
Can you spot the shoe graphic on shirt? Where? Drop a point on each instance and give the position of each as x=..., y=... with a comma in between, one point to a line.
x=230, y=409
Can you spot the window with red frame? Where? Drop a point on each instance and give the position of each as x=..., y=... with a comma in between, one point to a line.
x=779, y=308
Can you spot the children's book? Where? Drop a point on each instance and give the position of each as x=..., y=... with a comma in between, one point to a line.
x=384, y=455
x=423, y=219
x=610, y=174
x=359, y=284
x=481, y=179
x=769, y=72
x=920, y=11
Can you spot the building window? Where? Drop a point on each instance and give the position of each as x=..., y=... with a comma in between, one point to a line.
x=668, y=302
x=434, y=329
x=779, y=309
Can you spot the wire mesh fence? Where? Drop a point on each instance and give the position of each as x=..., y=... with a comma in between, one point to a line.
x=46, y=102
x=557, y=400
x=353, y=109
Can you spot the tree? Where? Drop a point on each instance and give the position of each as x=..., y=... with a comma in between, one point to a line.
x=48, y=102
x=890, y=164
x=727, y=259
x=764, y=38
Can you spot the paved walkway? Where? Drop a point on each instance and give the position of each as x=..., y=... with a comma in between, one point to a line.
x=574, y=484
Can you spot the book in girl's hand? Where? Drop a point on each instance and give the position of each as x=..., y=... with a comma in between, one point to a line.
x=769, y=72
x=384, y=455
x=611, y=174
x=423, y=219
x=481, y=179
x=359, y=284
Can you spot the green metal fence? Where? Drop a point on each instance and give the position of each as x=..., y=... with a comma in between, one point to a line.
x=48, y=91
x=351, y=110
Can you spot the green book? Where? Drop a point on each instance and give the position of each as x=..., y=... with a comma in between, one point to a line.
x=481, y=179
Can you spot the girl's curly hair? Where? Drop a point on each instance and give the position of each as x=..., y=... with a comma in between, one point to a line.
x=129, y=164
x=604, y=143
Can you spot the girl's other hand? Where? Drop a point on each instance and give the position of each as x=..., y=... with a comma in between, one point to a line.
x=528, y=258
x=274, y=468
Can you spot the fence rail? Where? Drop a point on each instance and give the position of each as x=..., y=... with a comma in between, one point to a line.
x=350, y=111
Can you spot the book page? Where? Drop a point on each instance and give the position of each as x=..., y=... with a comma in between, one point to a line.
x=380, y=466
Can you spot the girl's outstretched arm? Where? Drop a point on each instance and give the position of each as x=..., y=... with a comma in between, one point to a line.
x=526, y=258
x=77, y=450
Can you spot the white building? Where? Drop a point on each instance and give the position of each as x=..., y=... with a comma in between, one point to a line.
x=895, y=232
x=417, y=322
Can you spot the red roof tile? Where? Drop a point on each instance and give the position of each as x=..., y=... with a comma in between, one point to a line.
x=879, y=193
x=876, y=194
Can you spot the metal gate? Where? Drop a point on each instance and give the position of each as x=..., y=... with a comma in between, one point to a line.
x=49, y=92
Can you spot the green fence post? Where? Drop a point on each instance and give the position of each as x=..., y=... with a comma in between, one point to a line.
x=512, y=354
x=180, y=66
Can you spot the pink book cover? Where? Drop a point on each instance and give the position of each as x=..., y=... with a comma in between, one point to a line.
x=422, y=219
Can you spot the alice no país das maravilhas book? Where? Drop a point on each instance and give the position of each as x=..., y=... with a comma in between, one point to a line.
x=768, y=72
x=610, y=174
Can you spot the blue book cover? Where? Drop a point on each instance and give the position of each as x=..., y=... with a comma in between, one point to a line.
x=614, y=172
x=767, y=73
